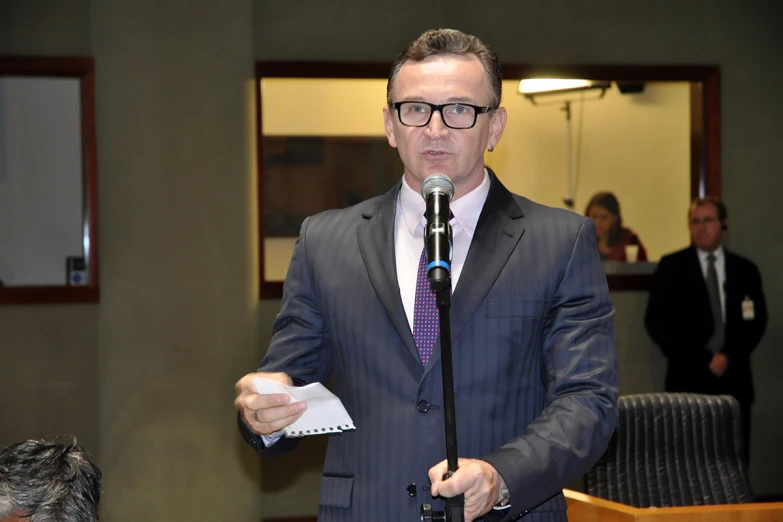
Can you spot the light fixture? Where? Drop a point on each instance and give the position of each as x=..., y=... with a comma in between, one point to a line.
x=531, y=88
x=566, y=88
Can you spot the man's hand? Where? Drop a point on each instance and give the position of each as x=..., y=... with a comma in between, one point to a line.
x=718, y=364
x=266, y=413
x=477, y=479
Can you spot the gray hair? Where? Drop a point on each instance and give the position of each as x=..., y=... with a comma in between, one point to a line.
x=48, y=481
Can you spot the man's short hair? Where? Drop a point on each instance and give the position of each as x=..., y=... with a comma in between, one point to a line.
x=723, y=214
x=48, y=481
x=450, y=41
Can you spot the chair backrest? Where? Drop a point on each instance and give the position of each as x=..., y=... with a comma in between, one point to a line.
x=673, y=449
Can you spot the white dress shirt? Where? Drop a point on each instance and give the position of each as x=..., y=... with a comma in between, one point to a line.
x=720, y=269
x=409, y=223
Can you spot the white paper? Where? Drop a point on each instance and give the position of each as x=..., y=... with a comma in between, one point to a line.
x=325, y=412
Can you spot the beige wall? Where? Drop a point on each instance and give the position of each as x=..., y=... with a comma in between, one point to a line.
x=637, y=146
x=316, y=107
x=322, y=107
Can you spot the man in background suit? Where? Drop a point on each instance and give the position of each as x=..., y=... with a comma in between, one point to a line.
x=707, y=313
x=534, y=354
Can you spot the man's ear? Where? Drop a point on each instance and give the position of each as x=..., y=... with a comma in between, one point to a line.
x=388, y=123
x=496, y=126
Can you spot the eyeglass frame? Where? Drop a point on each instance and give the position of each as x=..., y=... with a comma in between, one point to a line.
x=439, y=108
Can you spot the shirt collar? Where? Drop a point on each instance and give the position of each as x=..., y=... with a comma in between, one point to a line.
x=703, y=254
x=466, y=209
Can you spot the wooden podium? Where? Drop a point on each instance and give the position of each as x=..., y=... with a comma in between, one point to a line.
x=585, y=508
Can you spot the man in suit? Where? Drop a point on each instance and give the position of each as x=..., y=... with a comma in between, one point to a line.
x=534, y=354
x=707, y=313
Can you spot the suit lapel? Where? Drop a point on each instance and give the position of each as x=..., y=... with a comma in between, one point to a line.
x=376, y=244
x=498, y=231
x=729, y=288
x=695, y=265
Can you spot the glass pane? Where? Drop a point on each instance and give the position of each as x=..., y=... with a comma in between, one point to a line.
x=42, y=227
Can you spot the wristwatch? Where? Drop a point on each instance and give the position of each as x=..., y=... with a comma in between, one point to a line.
x=505, y=496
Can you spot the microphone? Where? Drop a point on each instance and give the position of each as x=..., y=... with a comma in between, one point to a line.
x=438, y=190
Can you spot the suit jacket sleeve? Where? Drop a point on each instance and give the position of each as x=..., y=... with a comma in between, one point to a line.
x=300, y=344
x=582, y=383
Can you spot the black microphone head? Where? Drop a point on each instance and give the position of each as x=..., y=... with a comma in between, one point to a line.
x=437, y=182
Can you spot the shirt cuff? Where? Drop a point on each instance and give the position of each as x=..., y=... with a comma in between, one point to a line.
x=272, y=438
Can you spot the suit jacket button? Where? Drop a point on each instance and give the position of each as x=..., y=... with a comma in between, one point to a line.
x=411, y=489
x=423, y=406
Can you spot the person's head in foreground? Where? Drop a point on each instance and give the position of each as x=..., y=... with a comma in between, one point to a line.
x=48, y=481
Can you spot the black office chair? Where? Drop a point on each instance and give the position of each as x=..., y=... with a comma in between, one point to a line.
x=673, y=449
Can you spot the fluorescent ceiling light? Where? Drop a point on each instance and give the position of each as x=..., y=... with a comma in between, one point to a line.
x=542, y=85
x=532, y=88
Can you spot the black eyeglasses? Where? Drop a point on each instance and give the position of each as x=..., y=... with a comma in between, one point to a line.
x=454, y=115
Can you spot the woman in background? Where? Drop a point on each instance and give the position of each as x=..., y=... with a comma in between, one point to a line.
x=612, y=238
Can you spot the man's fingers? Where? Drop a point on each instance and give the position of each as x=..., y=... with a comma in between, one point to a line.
x=256, y=401
x=437, y=471
x=475, y=479
x=269, y=415
x=270, y=420
x=270, y=427
x=458, y=483
x=262, y=401
x=451, y=487
x=436, y=476
x=266, y=413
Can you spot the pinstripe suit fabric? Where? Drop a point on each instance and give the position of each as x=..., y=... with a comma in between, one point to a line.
x=535, y=363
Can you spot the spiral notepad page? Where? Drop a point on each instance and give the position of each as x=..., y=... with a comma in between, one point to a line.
x=325, y=412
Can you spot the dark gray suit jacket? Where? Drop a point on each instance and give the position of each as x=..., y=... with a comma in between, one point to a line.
x=535, y=362
x=679, y=320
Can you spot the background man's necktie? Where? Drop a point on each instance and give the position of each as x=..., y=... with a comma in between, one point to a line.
x=715, y=343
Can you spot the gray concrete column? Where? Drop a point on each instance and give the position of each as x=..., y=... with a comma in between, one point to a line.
x=177, y=319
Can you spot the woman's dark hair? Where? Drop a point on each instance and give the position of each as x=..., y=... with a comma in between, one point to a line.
x=608, y=201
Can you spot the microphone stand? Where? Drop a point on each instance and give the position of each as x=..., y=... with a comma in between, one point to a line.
x=455, y=506
x=440, y=282
x=438, y=244
x=454, y=511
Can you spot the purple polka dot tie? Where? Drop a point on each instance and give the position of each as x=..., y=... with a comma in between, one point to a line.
x=426, y=322
x=425, y=313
